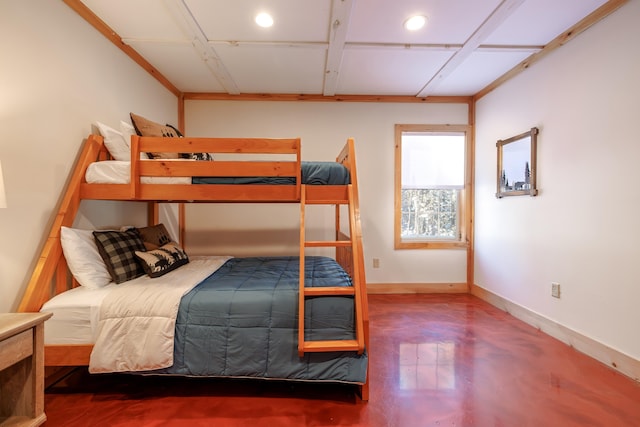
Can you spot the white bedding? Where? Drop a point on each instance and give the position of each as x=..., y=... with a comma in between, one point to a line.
x=137, y=319
x=75, y=315
x=131, y=324
x=119, y=172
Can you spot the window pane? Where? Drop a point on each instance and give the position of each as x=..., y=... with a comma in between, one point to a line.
x=429, y=214
x=432, y=160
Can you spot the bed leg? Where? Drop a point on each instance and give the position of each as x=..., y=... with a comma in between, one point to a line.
x=363, y=390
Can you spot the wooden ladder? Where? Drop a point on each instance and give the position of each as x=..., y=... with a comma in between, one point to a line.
x=356, y=344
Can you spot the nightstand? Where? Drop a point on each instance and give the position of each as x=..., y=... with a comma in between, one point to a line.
x=22, y=369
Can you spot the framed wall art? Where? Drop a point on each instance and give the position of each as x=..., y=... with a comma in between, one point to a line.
x=517, y=165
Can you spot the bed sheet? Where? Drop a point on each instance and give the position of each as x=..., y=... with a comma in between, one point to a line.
x=119, y=172
x=75, y=315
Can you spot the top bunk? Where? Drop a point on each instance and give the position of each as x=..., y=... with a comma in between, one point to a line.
x=48, y=279
x=163, y=169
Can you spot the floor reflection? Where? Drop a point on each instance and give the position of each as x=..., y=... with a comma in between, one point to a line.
x=436, y=361
x=427, y=366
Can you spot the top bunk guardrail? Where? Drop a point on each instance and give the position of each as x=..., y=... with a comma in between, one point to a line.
x=181, y=180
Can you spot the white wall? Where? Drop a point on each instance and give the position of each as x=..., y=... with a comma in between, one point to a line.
x=58, y=76
x=324, y=129
x=581, y=230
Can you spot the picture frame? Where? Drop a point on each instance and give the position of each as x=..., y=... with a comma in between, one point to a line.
x=517, y=165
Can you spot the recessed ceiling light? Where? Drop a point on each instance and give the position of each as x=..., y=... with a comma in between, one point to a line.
x=415, y=22
x=264, y=20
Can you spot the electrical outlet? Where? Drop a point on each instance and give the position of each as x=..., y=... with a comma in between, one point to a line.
x=555, y=289
x=376, y=263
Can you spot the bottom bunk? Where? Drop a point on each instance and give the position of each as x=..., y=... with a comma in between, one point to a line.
x=240, y=321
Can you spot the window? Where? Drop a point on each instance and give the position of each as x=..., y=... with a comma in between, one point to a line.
x=431, y=189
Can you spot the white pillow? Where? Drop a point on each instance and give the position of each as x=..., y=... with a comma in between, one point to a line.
x=83, y=258
x=128, y=130
x=115, y=142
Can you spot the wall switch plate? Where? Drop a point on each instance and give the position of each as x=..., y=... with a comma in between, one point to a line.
x=376, y=263
x=555, y=289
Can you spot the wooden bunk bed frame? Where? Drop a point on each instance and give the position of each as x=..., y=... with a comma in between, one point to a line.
x=51, y=275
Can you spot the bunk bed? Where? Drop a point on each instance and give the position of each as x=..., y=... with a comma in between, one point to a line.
x=320, y=322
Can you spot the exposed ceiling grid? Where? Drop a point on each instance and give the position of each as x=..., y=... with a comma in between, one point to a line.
x=182, y=15
x=339, y=26
x=497, y=17
x=335, y=47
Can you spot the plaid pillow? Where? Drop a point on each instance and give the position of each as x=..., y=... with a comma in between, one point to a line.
x=118, y=250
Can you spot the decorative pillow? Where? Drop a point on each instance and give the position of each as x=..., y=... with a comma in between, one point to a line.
x=201, y=156
x=180, y=135
x=118, y=146
x=162, y=260
x=83, y=258
x=154, y=236
x=117, y=249
x=146, y=127
x=192, y=156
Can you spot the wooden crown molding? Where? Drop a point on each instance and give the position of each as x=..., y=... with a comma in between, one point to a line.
x=108, y=32
x=594, y=17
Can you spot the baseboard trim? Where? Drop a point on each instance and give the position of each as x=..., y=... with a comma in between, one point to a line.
x=417, y=288
x=615, y=359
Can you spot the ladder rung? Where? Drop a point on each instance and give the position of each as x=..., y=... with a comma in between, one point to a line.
x=321, y=243
x=329, y=290
x=334, y=345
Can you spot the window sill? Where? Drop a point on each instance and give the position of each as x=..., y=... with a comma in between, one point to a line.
x=433, y=244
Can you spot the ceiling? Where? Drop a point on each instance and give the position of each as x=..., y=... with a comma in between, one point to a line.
x=336, y=47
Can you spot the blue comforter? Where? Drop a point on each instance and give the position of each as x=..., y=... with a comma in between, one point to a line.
x=315, y=173
x=242, y=322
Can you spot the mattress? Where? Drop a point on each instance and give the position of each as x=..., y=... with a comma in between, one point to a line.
x=75, y=315
x=76, y=312
x=119, y=172
x=314, y=173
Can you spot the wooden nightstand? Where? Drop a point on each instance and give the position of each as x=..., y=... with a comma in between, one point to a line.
x=22, y=369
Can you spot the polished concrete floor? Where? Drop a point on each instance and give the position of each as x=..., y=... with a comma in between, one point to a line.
x=435, y=360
